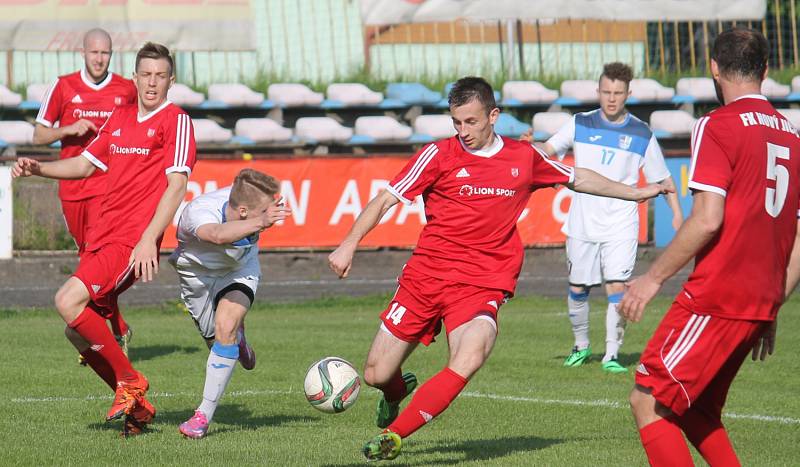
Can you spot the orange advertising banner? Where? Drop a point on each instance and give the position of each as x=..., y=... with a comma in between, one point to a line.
x=327, y=194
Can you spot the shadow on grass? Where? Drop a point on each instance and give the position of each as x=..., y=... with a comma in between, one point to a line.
x=233, y=417
x=149, y=352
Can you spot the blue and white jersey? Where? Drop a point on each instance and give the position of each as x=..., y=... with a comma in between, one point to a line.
x=617, y=151
x=194, y=253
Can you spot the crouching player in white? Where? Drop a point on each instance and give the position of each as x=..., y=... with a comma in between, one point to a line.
x=217, y=263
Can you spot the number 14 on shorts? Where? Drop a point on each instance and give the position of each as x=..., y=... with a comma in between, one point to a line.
x=396, y=313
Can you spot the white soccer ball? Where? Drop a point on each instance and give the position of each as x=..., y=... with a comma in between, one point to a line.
x=332, y=385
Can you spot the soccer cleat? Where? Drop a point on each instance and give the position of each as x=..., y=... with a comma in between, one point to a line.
x=127, y=395
x=196, y=427
x=247, y=357
x=385, y=446
x=578, y=357
x=136, y=423
x=124, y=340
x=613, y=366
x=82, y=361
x=388, y=411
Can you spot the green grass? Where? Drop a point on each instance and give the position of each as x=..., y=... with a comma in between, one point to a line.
x=523, y=408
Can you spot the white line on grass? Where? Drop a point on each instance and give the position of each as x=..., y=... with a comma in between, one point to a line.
x=470, y=394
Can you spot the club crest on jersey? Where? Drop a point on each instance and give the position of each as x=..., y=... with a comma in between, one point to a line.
x=117, y=100
x=625, y=141
x=151, y=132
x=515, y=172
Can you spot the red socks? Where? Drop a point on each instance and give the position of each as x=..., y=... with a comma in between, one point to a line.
x=431, y=399
x=709, y=437
x=100, y=366
x=93, y=328
x=664, y=444
x=395, y=389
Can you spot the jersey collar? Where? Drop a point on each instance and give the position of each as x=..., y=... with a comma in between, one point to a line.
x=751, y=96
x=493, y=149
x=142, y=118
x=96, y=86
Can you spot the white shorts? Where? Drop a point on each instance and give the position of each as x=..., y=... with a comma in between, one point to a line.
x=592, y=262
x=201, y=292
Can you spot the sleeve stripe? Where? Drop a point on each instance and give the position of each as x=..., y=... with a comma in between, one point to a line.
x=697, y=138
x=704, y=187
x=181, y=141
x=40, y=117
x=563, y=168
x=95, y=161
x=187, y=131
x=416, y=169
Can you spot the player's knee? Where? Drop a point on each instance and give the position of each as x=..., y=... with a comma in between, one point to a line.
x=63, y=301
x=374, y=377
x=639, y=400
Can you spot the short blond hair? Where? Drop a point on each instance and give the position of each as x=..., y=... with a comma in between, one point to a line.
x=250, y=186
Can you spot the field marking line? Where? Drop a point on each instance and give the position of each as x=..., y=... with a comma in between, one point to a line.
x=469, y=394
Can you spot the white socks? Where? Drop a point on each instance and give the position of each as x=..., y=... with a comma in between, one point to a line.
x=578, y=306
x=615, y=328
x=219, y=369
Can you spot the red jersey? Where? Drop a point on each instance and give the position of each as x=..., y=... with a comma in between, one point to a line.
x=750, y=154
x=137, y=153
x=472, y=202
x=73, y=97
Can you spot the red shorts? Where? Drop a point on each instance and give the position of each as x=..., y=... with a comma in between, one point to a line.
x=80, y=216
x=422, y=303
x=106, y=274
x=692, y=359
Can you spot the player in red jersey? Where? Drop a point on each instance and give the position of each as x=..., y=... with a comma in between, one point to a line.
x=742, y=231
x=75, y=106
x=467, y=260
x=147, y=151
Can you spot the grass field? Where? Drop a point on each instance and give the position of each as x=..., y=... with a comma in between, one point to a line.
x=523, y=408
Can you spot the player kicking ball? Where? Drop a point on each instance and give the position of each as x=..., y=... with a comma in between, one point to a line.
x=217, y=263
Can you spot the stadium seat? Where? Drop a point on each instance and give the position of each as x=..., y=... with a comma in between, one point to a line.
x=577, y=91
x=546, y=124
x=293, y=95
x=262, y=130
x=235, y=95
x=412, y=94
x=772, y=88
x=35, y=92
x=508, y=125
x=209, y=131
x=322, y=129
x=671, y=123
x=182, y=95
x=649, y=90
x=793, y=115
x=433, y=127
x=353, y=94
x=15, y=133
x=382, y=128
x=9, y=98
x=527, y=92
x=695, y=90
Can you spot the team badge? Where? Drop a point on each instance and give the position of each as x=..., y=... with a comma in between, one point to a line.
x=625, y=141
x=515, y=172
x=151, y=132
x=465, y=190
x=117, y=100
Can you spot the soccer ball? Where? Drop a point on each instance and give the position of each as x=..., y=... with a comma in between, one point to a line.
x=332, y=385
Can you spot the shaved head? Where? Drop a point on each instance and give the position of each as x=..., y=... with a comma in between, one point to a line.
x=96, y=53
x=95, y=35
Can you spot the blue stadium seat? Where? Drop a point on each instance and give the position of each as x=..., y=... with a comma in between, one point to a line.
x=508, y=125
x=412, y=93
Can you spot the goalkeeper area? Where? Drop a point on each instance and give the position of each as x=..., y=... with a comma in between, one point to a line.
x=522, y=408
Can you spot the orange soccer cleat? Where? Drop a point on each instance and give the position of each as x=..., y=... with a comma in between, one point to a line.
x=127, y=395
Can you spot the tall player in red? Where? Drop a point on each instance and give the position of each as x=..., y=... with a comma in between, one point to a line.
x=467, y=260
x=75, y=106
x=147, y=151
x=745, y=177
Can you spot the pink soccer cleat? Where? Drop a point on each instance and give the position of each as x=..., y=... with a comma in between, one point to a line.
x=247, y=357
x=196, y=427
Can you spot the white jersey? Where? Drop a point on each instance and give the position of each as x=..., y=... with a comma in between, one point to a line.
x=617, y=151
x=196, y=254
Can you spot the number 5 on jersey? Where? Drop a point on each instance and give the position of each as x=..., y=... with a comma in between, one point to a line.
x=396, y=313
x=775, y=197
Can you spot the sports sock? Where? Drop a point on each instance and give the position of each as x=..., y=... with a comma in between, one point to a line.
x=219, y=369
x=709, y=437
x=615, y=327
x=395, y=389
x=578, y=306
x=664, y=444
x=431, y=399
x=118, y=325
x=94, y=330
x=100, y=366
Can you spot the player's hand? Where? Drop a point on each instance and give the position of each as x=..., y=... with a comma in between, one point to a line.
x=144, y=259
x=765, y=344
x=25, y=167
x=638, y=294
x=275, y=213
x=652, y=190
x=527, y=136
x=79, y=128
x=341, y=260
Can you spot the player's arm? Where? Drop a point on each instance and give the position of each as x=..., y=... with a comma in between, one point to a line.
x=231, y=231
x=793, y=269
x=673, y=202
x=342, y=258
x=708, y=211
x=144, y=256
x=45, y=135
x=591, y=182
x=72, y=168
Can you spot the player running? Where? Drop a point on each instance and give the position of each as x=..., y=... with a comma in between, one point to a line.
x=147, y=151
x=744, y=175
x=217, y=263
x=74, y=107
x=467, y=260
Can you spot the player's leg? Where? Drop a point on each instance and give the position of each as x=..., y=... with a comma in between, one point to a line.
x=660, y=435
x=617, y=259
x=584, y=271
x=383, y=371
